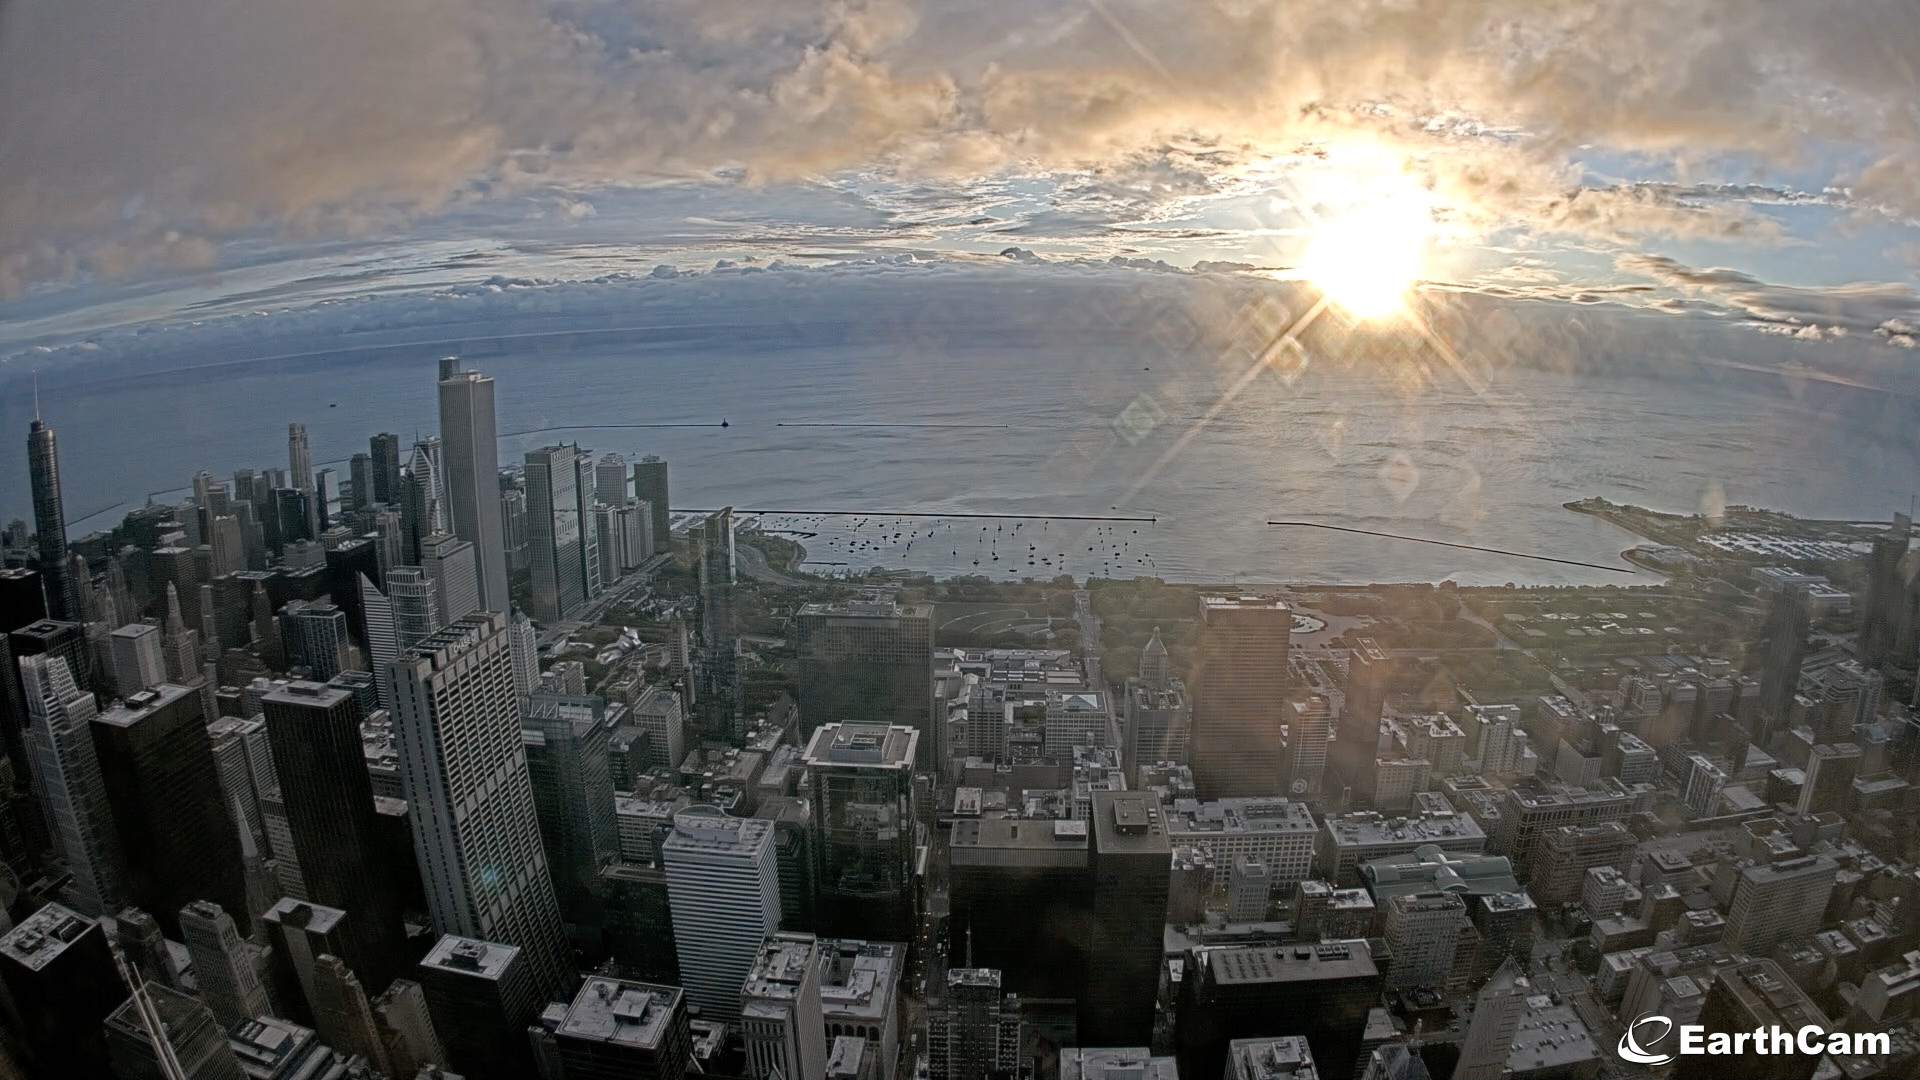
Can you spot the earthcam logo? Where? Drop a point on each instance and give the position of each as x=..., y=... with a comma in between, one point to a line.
x=1695, y=1039
x=1630, y=1048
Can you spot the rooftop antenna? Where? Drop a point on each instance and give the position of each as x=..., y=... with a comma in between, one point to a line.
x=36, y=393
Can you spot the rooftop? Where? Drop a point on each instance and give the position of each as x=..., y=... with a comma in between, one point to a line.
x=1240, y=964
x=139, y=706
x=781, y=966
x=890, y=745
x=617, y=1011
x=314, y=918
x=44, y=936
x=1284, y=1058
x=485, y=959
x=1115, y=1063
x=1550, y=1037
x=1429, y=869
x=1369, y=829
x=263, y=1044
x=859, y=980
x=1223, y=816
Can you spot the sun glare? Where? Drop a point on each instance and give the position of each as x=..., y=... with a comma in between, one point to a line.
x=1367, y=258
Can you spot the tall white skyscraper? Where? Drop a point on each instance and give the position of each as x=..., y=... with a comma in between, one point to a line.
x=723, y=887
x=416, y=606
x=68, y=783
x=523, y=648
x=464, y=773
x=472, y=460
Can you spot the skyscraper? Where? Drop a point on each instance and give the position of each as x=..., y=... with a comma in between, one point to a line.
x=224, y=968
x=59, y=972
x=383, y=642
x=360, y=468
x=482, y=997
x=69, y=786
x=449, y=562
x=178, y=841
x=137, y=660
x=476, y=834
x=1128, y=866
x=196, y=1041
x=864, y=834
x=973, y=1030
x=566, y=744
x=299, y=458
x=1773, y=902
x=718, y=669
x=1156, y=712
x=472, y=460
x=1232, y=992
x=866, y=661
x=1496, y=1015
x=315, y=637
x=780, y=1012
x=620, y=1030
x=385, y=458
x=650, y=487
x=1788, y=620
x=1238, y=694
x=724, y=888
x=49, y=519
x=556, y=533
x=314, y=733
x=610, y=480
x=415, y=604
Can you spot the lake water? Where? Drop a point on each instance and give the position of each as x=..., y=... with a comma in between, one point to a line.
x=1040, y=432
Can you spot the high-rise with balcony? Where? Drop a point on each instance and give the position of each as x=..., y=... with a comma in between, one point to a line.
x=476, y=835
x=472, y=468
x=1238, y=693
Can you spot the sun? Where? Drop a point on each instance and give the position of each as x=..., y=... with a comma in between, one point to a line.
x=1367, y=258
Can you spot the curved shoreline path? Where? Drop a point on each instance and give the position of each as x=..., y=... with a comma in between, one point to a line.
x=1451, y=544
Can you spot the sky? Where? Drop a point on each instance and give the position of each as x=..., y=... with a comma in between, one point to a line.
x=202, y=170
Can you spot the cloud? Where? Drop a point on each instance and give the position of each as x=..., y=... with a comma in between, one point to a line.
x=1886, y=309
x=138, y=132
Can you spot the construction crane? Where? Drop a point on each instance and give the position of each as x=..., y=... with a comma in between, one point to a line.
x=149, y=1018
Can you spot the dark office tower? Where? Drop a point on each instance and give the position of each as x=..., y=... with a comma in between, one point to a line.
x=863, y=829
x=869, y=662
x=1357, y=734
x=385, y=461
x=315, y=636
x=145, y=947
x=342, y=1012
x=1128, y=867
x=314, y=731
x=294, y=516
x=554, y=534
x=68, y=783
x=1886, y=592
x=62, y=985
x=1244, y=992
x=360, y=483
x=718, y=667
x=973, y=1030
x=1020, y=902
x=265, y=631
x=179, y=646
x=21, y=600
x=584, y=499
x=1744, y=999
x=195, y=1041
x=179, y=846
x=650, y=487
x=1788, y=617
x=472, y=461
x=1239, y=690
x=476, y=835
x=566, y=742
x=174, y=566
x=49, y=521
x=482, y=998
